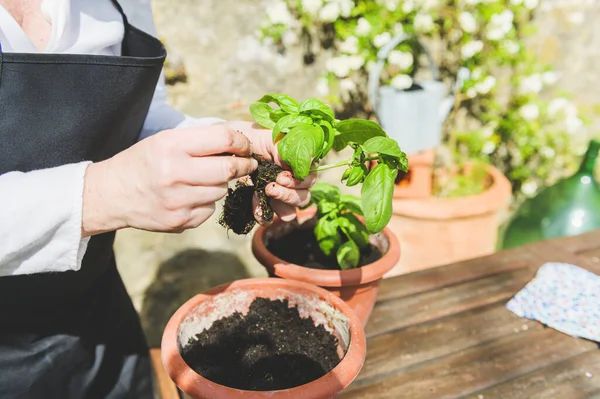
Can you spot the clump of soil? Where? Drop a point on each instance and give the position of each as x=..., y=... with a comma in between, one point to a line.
x=302, y=248
x=237, y=214
x=270, y=348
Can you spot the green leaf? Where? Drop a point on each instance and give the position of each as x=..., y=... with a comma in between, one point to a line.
x=329, y=138
x=286, y=103
x=354, y=229
x=312, y=106
x=346, y=174
x=325, y=191
x=277, y=114
x=326, y=232
x=357, y=175
x=351, y=203
x=348, y=255
x=284, y=124
x=356, y=131
x=261, y=113
x=377, y=192
x=325, y=207
x=383, y=145
x=299, y=148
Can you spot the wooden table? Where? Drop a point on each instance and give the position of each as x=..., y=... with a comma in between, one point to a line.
x=445, y=333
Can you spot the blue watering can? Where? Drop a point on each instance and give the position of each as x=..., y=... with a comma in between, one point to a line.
x=413, y=118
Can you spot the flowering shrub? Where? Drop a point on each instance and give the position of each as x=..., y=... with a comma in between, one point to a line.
x=499, y=113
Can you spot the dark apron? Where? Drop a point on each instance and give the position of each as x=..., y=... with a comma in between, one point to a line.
x=74, y=334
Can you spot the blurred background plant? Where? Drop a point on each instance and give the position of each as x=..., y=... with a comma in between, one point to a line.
x=507, y=112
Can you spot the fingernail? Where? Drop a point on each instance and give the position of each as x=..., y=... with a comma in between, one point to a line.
x=285, y=181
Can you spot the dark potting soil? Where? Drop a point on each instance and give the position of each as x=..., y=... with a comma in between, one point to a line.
x=301, y=248
x=270, y=348
x=237, y=214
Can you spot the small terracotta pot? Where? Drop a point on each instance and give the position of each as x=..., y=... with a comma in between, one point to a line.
x=324, y=308
x=358, y=287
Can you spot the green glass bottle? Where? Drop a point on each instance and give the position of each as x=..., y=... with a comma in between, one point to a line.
x=567, y=208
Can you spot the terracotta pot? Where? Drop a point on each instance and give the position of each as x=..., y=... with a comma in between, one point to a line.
x=435, y=231
x=358, y=287
x=201, y=311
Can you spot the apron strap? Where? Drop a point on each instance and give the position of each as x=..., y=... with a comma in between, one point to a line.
x=124, y=46
x=0, y=63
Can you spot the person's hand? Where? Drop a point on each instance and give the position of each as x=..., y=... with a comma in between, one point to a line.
x=287, y=192
x=168, y=182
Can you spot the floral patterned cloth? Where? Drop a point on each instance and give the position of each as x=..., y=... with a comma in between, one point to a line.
x=564, y=297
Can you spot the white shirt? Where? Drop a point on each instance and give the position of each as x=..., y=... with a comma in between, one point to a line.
x=40, y=211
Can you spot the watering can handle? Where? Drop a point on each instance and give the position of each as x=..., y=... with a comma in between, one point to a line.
x=382, y=55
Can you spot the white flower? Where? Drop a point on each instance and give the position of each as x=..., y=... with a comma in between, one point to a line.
x=278, y=13
x=363, y=27
x=488, y=147
x=467, y=22
x=476, y=74
x=322, y=87
x=576, y=18
x=290, y=38
x=408, y=6
x=347, y=85
x=529, y=112
x=531, y=84
x=350, y=45
x=346, y=7
x=312, y=6
x=529, y=188
x=486, y=86
x=557, y=105
x=398, y=28
x=471, y=93
x=531, y=4
x=573, y=124
x=500, y=25
x=549, y=77
x=423, y=23
x=547, y=152
x=472, y=2
x=488, y=130
x=511, y=46
x=390, y=4
x=382, y=39
x=401, y=59
x=470, y=49
x=330, y=12
x=342, y=66
x=401, y=82
x=516, y=2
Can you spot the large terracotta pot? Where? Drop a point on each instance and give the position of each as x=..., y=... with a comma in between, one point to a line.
x=435, y=231
x=201, y=311
x=358, y=287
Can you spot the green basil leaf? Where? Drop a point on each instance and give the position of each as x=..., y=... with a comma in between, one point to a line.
x=286, y=103
x=383, y=145
x=325, y=191
x=299, y=148
x=326, y=232
x=329, y=138
x=261, y=113
x=348, y=255
x=351, y=203
x=325, y=207
x=357, y=175
x=354, y=229
x=316, y=107
x=277, y=114
x=377, y=192
x=356, y=131
x=284, y=124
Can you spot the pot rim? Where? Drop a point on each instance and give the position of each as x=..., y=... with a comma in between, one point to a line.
x=327, y=386
x=325, y=278
x=433, y=208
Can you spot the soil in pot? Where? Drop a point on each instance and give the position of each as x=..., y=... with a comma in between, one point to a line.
x=300, y=247
x=237, y=214
x=270, y=348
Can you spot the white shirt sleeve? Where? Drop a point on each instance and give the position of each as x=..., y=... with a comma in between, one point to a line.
x=40, y=220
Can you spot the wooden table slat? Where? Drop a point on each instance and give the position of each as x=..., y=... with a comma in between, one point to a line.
x=478, y=368
x=401, y=351
x=575, y=378
x=405, y=311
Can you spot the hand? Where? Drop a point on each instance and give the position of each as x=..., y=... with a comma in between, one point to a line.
x=287, y=192
x=168, y=182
